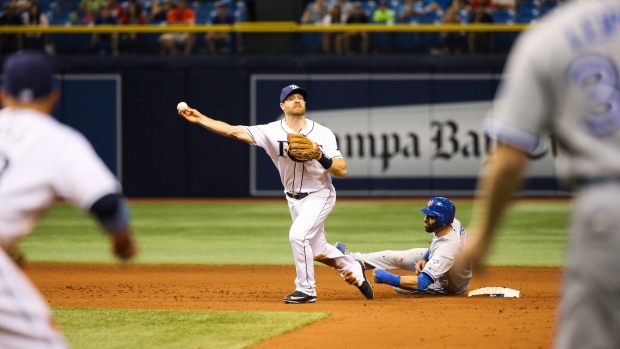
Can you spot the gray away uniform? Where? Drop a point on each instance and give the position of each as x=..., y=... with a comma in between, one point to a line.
x=562, y=77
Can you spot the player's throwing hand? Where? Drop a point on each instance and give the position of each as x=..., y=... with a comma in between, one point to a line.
x=191, y=115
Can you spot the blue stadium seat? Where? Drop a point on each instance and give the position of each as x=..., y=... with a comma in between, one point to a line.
x=60, y=18
x=369, y=8
x=240, y=12
x=204, y=13
x=527, y=11
x=466, y=16
x=503, y=16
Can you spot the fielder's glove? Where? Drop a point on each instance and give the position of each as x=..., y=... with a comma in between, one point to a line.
x=301, y=148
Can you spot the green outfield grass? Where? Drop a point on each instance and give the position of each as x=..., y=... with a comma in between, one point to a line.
x=255, y=233
x=117, y=328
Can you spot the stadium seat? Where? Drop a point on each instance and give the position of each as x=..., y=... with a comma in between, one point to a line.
x=204, y=12
x=369, y=8
x=240, y=12
x=466, y=16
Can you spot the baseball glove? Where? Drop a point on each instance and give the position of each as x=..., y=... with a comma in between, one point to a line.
x=301, y=148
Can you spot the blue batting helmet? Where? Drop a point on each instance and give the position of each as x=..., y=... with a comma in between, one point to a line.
x=441, y=208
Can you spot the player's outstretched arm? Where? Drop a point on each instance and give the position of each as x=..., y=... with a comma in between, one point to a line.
x=406, y=282
x=215, y=126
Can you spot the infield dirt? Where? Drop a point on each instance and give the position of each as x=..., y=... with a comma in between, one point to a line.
x=390, y=320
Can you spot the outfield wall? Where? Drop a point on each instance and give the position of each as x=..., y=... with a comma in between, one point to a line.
x=408, y=125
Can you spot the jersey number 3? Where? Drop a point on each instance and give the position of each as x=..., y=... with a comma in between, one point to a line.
x=597, y=77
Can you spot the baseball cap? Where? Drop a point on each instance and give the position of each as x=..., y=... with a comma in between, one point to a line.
x=290, y=89
x=28, y=75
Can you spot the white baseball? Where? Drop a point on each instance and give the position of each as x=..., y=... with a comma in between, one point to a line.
x=182, y=106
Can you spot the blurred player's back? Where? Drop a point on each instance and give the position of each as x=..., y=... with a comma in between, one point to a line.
x=569, y=64
x=562, y=78
x=40, y=154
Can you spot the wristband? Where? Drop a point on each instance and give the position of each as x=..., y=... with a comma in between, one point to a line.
x=325, y=161
x=384, y=277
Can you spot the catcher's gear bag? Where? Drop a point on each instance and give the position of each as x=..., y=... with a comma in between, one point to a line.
x=301, y=148
x=441, y=208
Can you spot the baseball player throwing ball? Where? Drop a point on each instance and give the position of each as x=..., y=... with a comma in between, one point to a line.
x=305, y=154
x=562, y=77
x=41, y=159
x=434, y=267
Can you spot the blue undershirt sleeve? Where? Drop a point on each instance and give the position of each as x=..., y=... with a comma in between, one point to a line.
x=427, y=255
x=424, y=280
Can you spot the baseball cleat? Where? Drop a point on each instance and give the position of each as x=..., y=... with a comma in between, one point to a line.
x=365, y=287
x=342, y=248
x=299, y=297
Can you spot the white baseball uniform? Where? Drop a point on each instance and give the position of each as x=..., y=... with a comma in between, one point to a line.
x=562, y=77
x=307, y=234
x=442, y=254
x=40, y=160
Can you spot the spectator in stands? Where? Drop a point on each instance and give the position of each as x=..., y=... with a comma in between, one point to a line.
x=503, y=5
x=408, y=10
x=118, y=11
x=225, y=41
x=91, y=6
x=356, y=38
x=383, y=14
x=105, y=44
x=334, y=16
x=159, y=11
x=10, y=42
x=480, y=42
x=451, y=42
x=437, y=5
x=315, y=12
x=34, y=18
x=179, y=15
x=476, y=4
x=22, y=5
x=463, y=10
x=133, y=42
x=88, y=18
x=346, y=8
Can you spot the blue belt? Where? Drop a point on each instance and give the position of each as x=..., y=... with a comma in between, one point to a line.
x=296, y=196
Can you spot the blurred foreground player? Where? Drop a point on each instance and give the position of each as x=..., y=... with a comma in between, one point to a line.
x=562, y=78
x=40, y=160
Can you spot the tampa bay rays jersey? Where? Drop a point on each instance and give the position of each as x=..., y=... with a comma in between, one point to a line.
x=40, y=160
x=297, y=177
x=442, y=254
x=562, y=76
